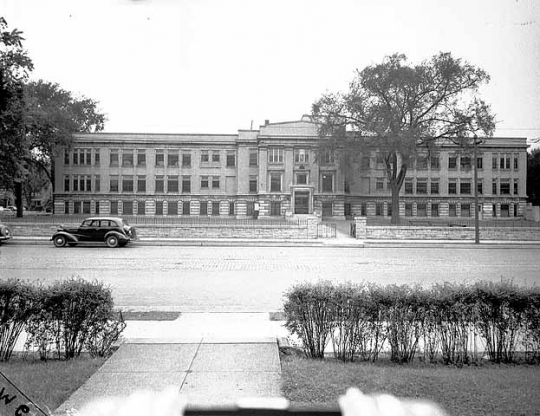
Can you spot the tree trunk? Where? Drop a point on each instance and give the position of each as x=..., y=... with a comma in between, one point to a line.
x=395, y=202
x=18, y=198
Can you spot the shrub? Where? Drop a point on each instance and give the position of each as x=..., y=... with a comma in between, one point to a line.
x=308, y=309
x=74, y=314
x=501, y=316
x=531, y=337
x=17, y=300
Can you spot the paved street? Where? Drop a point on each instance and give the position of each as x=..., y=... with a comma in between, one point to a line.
x=253, y=279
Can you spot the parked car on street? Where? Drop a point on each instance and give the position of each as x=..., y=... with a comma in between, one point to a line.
x=5, y=233
x=113, y=231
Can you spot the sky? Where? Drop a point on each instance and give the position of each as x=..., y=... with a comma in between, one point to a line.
x=217, y=66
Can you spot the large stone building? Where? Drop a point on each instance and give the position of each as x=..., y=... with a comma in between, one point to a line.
x=275, y=169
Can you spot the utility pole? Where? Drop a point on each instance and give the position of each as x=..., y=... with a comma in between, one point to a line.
x=476, y=219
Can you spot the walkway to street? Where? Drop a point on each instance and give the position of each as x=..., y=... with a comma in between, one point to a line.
x=213, y=358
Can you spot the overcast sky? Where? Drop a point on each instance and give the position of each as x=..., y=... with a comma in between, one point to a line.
x=216, y=66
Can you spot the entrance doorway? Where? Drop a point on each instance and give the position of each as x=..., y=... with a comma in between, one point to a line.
x=301, y=202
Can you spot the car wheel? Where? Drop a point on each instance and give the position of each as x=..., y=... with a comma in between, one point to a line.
x=59, y=241
x=112, y=241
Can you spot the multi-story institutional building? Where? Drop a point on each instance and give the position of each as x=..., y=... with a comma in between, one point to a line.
x=276, y=170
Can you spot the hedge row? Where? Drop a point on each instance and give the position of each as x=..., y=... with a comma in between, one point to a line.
x=448, y=322
x=64, y=318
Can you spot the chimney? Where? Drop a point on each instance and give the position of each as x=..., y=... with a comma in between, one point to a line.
x=266, y=122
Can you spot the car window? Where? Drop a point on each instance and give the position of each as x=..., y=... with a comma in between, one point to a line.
x=86, y=223
x=105, y=223
x=95, y=223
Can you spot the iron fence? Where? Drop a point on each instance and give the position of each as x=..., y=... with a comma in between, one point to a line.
x=326, y=230
x=455, y=222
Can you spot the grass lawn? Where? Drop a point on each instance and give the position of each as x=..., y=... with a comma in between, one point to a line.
x=49, y=383
x=488, y=389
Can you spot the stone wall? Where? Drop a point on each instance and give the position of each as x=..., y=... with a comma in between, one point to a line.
x=301, y=230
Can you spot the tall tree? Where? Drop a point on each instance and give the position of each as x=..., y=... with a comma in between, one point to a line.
x=53, y=115
x=14, y=68
x=533, y=176
x=398, y=110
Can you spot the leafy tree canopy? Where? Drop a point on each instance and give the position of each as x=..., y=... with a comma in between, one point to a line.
x=396, y=109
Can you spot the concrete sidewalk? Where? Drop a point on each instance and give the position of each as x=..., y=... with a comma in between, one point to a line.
x=212, y=358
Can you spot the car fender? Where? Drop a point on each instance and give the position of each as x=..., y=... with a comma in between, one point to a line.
x=69, y=237
x=120, y=236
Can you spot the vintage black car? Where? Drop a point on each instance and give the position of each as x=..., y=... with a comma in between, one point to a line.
x=5, y=233
x=113, y=231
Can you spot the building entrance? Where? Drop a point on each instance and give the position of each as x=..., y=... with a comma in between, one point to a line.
x=301, y=202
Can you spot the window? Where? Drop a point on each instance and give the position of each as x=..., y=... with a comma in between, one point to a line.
x=379, y=184
x=114, y=207
x=172, y=208
x=159, y=207
x=504, y=162
x=505, y=187
x=452, y=187
x=215, y=156
x=452, y=210
x=97, y=184
x=204, y=208
x=231, y=208
x=173, y=159
x=231, y=159
x=494, y=210
x=172, y=184
x=160, y=184
x=186, y=160
x=516, y=162
x=160, y=157
x=494, y=163
x=127, y=183
x=88, y=180
x=421, y=163
x=275, y=155
x=388, y=209
x=408, y=210
x=516, y=187
x=421, y=210
x=505, y=210
x=434, y=187
x=252, y=184
x=66, y=183
x=113, y=184
x=452, y=162
x=66, y=207
x=204, y=156
x=327, y=182
x=97, y=157
x=275, y=182
x=141, y=208
x=113, y=158
x=141, y=184
x=275, y=208
x=301, y=178
x=434, y=162
x=434, y=210
x=204, y=181
x=127, y=207
x=75, y=186
x=250, y=208
x=465, y=187
x=409, y=187
x=141, y=157
x=379, y=209
x=421, y=186
x=66, y=157
x=253, y=157
x=480, y=187
x=465, y=210
x=215, y=182
x=76, y=156
x=186, y=184
x=215, y=208
x=465, y=162
x=480, y=163
x=301, y=156
x=327, y=156
x=494, y=187
x=186, y=208
x=127, y=158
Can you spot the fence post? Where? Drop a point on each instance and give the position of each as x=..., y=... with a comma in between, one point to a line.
x=360, y=224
